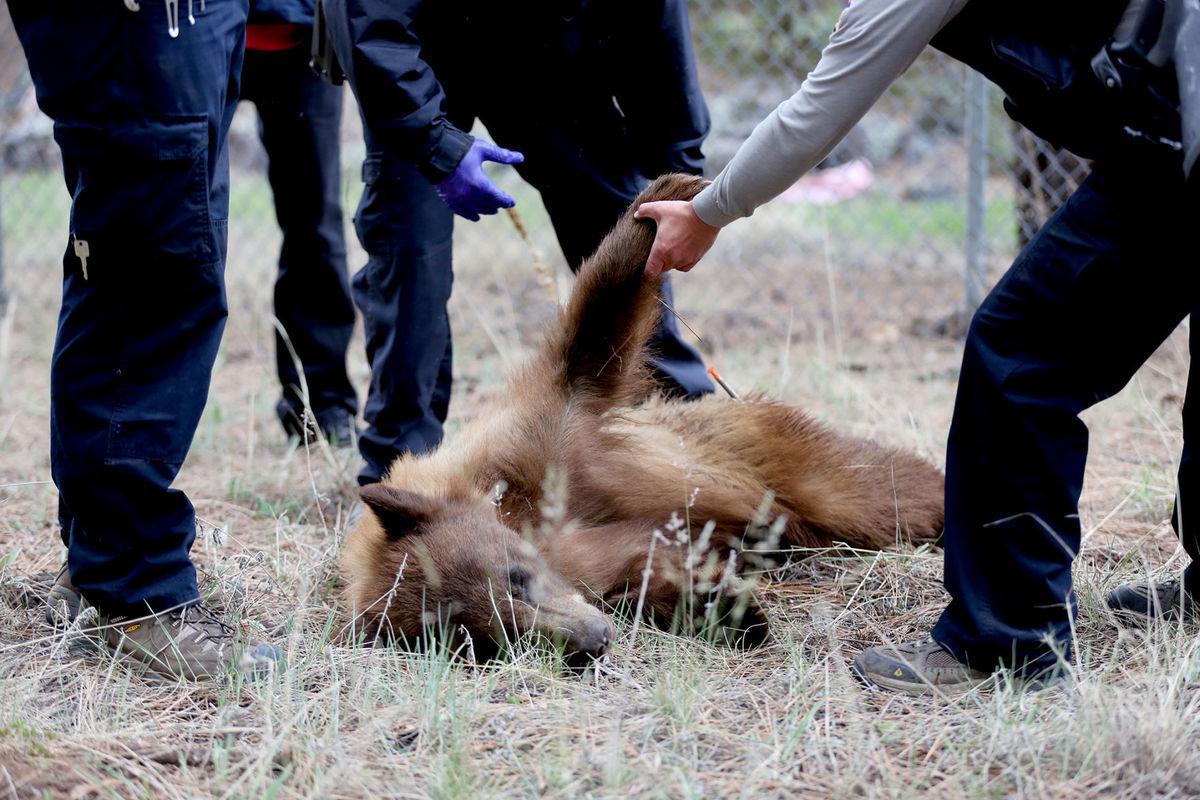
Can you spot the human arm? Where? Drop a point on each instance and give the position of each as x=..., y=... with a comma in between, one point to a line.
x=874, y=43
x=404, y=104
x=401, y=99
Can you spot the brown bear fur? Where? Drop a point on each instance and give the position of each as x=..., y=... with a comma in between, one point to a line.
x=580, y=406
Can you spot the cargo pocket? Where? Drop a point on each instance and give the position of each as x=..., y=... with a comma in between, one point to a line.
x=399, y=213
x=370, y=205
x=147, y=317
x=140, y=187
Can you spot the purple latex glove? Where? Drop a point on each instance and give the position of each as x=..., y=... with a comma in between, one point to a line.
x=468, y=191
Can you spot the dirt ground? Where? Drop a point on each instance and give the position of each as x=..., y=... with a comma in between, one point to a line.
x=794, y=314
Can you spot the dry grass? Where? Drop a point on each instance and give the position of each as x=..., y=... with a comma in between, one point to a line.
x=667, y=717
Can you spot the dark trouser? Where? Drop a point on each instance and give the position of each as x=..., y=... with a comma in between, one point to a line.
x=403, y=290
x=300, y=118
x=1097, y=290
x=141, y=119
x=1188, y=486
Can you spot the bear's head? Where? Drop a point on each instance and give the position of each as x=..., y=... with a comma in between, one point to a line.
x=432, y=569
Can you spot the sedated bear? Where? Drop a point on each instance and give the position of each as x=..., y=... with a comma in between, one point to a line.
x=662, y=503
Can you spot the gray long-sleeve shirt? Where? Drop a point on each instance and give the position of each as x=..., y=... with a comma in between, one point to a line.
x=874, y=43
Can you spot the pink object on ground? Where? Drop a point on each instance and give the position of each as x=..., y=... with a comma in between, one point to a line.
x=833, y=185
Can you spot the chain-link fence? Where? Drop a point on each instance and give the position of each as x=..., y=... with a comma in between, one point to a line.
x=933, y=179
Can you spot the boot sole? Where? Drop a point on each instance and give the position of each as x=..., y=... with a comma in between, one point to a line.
x=1129, y=618
x=259, y=670
x=916, y=689
x=957, y=689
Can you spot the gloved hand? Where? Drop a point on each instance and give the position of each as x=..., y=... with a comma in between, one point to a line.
x=468, y=191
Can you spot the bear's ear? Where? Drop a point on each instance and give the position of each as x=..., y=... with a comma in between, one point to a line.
x=399, y=511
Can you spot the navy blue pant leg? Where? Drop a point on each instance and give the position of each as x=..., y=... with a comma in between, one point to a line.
x=677, y=364
x=141, y=119
x=1086, y=303
x=402, y=293
x=1186, y=517
x=300, y=118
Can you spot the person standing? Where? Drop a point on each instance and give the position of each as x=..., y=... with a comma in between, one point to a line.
x=299, y=122
x=1094, y=293
x=563, y=89
x=141, y=101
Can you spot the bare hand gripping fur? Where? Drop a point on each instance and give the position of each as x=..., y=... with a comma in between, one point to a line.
x=440, y=552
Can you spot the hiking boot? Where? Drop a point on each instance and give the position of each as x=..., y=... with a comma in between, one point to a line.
x=63, y=601
x=335, y=426
x=188, y=643
x=916, y=668
x=1146, y=601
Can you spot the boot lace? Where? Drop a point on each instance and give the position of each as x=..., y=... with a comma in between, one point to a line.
x=208, y=625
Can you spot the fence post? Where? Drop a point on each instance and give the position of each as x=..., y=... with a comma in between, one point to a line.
x=977, y=171
x=3, y=293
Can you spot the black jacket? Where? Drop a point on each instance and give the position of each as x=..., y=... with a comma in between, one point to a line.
x=403, y=57
x=1040, y=54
